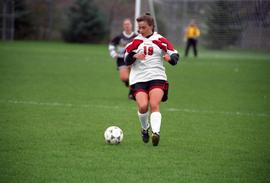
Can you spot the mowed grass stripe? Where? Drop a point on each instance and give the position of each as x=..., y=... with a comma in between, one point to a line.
x=58, y=104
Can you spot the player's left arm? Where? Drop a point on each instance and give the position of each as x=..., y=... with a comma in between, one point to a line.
x=198, y=32
x=171, y=54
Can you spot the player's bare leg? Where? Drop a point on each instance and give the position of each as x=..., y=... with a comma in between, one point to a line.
x=155, y=96
x=142, y=103
x=124, y=76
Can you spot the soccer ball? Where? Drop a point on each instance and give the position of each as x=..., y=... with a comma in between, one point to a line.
x=113, y=135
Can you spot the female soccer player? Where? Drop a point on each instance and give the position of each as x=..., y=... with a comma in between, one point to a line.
x=117, y=50
x=148, y=80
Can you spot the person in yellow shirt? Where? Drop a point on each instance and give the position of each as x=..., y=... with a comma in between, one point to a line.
x=192, y=33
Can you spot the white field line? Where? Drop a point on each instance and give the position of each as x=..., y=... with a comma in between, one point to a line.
x=57, y=104
x=229, y=113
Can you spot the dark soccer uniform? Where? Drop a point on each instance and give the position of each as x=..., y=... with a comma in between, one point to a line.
x=117, y=47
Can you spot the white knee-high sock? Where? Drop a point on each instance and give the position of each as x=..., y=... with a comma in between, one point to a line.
x=155, y=120
x=144, y=120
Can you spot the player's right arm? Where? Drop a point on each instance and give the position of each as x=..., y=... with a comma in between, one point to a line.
x=112, y=46
x=131, y=54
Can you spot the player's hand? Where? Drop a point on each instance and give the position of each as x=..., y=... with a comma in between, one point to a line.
x=139, y=56
x=116, y=56
x=167, y=57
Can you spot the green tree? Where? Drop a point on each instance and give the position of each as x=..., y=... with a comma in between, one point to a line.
x=16, y=21
x=85, y=23
x=224, y=26
x=24, y=27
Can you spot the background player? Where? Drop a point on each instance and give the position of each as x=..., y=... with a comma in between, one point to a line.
x=192, y=33
x=148, y=80
x=117, y=50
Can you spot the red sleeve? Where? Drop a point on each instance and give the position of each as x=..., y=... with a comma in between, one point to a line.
x=134, y=45
x=169, y=45
x=160, y=45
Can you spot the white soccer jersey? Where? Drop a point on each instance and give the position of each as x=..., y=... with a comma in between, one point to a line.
x=151, y=68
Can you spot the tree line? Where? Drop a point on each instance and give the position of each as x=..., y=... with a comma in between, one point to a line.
x=92, y=21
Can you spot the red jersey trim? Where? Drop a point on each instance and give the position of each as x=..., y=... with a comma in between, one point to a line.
x=134, y=45
x=169, y=45
x=160, y=45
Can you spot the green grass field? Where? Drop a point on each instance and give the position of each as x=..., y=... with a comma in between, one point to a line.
x=57, y=99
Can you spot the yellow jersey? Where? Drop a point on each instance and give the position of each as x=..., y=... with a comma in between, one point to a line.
x=192, y=31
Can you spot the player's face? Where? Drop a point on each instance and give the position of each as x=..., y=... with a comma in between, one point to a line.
x=127, y=26
x=145, y=29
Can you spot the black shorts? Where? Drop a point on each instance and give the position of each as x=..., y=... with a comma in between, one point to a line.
x=148, y=86
x=120, y=63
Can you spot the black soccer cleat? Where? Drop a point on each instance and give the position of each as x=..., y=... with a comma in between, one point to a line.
x=145, y=136
x=155, y=139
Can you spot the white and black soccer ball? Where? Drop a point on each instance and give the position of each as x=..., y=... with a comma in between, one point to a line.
x=113, y=135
